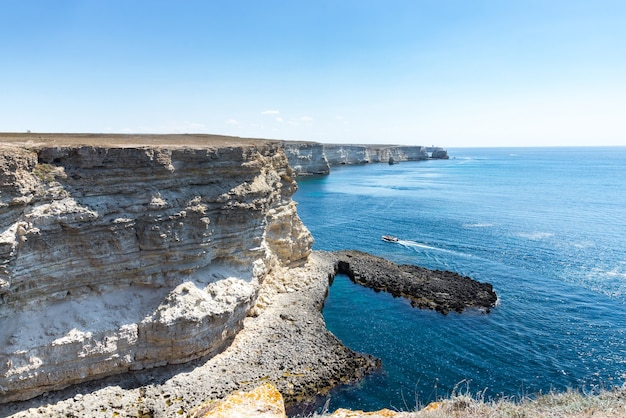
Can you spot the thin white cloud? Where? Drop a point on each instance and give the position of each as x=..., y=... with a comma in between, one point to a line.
x=306, y=119
x=279, y=119
x=270, y=112
x=233, y=122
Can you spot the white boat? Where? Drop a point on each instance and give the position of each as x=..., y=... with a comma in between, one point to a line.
x=390, y=238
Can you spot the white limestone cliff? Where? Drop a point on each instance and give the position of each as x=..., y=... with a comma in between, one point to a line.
x=307, y=158
x=124, y=257
x=312, y=158
x=342, y=154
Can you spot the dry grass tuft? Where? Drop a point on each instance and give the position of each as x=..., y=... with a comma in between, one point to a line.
x=570, y=404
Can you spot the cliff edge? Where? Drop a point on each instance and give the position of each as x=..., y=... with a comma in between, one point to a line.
x=126, y=253
x=313, y=158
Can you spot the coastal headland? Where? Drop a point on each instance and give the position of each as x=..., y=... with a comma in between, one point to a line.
x=313, y=158
x=146, y=274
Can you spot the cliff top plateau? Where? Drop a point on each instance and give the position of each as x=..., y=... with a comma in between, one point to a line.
x=126, y=140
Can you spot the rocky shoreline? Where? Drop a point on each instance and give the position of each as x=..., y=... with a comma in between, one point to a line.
x=286, y=343
x=144, y=275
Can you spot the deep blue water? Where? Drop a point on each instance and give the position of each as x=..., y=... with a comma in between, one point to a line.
x=545, y=226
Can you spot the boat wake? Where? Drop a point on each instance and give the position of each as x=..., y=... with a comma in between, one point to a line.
x=419, y=246
x=416, y=244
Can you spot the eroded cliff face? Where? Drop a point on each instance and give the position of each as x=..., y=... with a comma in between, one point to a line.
x=311, y=158
x=117, y=258
x=307, y=158
x=338, y=154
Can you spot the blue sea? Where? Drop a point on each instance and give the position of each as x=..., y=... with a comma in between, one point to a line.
x=545, y=226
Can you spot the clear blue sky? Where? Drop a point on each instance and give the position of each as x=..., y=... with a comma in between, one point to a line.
x=445, y=72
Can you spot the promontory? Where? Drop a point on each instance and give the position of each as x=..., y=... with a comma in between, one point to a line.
x=146, y=274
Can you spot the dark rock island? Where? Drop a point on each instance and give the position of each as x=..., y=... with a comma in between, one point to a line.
x=443, y=291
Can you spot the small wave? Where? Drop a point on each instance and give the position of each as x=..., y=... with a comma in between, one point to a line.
x=535, y=236
x=610, y=282
x=615, y=273
x=478, y=225
x=583, y=244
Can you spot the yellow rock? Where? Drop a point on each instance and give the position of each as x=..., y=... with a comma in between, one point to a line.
x=433, y=406
x=347, y=413
x=264, y=401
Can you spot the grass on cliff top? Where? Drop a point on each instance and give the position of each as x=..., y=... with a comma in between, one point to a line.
x=570, y=404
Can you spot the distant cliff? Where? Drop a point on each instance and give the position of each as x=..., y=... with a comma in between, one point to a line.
x=437, y=153
x=307, y=158
x=311, y=158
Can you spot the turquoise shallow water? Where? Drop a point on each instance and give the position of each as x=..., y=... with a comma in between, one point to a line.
x=545, y=226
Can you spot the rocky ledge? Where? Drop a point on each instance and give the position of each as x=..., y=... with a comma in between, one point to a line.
x=286, y=344
x=443, y=291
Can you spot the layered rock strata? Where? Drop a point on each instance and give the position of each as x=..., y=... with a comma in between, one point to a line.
x=307, y=158
x=312, y=158
x=125, y=257
x=338, y=154
x=285, y=343
x=443, y=291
